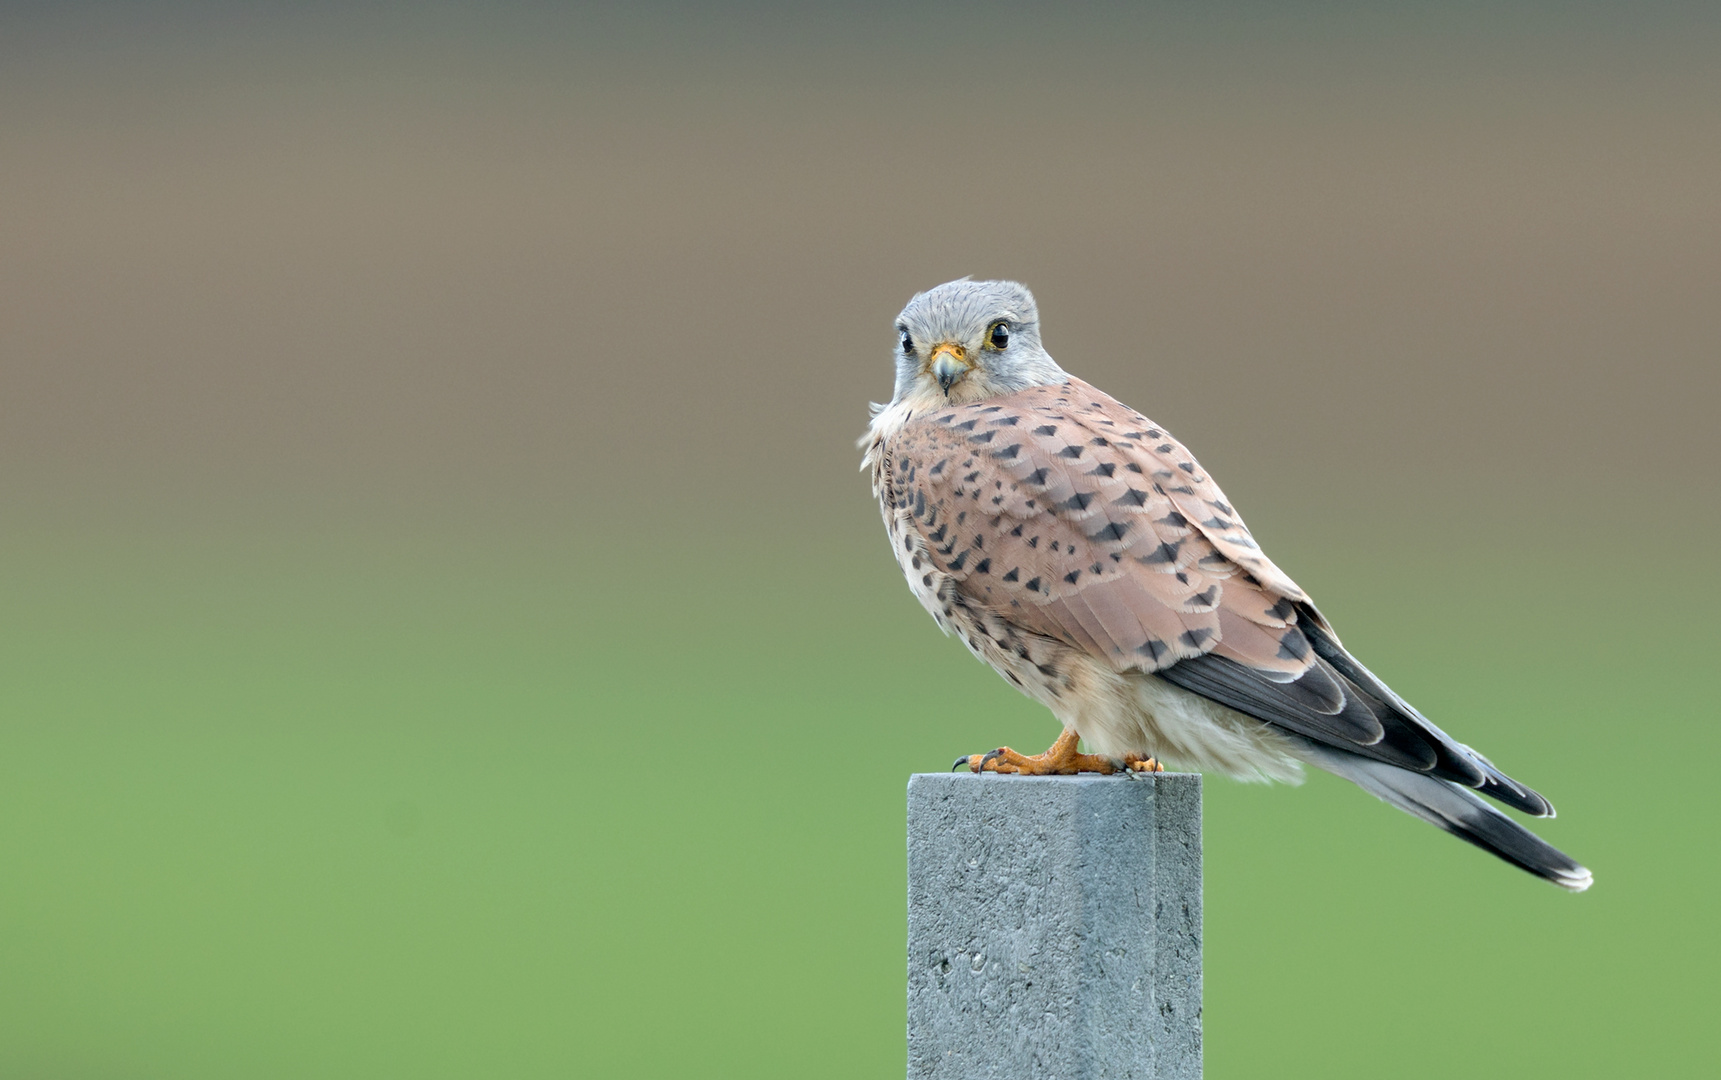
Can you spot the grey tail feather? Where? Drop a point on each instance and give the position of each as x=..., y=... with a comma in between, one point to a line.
x=1456, y=809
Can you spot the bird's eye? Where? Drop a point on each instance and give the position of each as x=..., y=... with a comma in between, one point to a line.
x=999, y=336
x=907, y=342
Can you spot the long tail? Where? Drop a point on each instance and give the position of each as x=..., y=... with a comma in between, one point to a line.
x=1456, y=809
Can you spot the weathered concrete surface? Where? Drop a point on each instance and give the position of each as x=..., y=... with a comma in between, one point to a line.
x=1054, y=926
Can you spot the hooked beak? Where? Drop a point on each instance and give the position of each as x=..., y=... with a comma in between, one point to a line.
x=949, y=363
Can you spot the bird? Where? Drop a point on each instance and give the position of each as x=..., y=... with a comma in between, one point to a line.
x=1083, y=553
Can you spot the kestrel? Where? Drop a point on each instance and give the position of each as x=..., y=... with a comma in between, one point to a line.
x=1080, y=550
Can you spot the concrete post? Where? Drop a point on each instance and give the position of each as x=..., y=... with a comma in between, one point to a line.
x=1054, y=926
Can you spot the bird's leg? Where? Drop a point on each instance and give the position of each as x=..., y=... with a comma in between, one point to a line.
x=1060, y=760
x=1137, y=763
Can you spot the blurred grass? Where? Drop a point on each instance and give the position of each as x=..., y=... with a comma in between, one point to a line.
x=372, y=802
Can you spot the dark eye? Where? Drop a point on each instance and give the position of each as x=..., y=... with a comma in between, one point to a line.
x=907, y=342
x=1000, y=336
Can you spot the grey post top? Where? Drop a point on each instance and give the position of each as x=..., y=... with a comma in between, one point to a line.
x=1054, y=926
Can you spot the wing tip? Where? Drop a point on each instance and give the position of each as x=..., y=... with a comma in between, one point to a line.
x=1503, y=789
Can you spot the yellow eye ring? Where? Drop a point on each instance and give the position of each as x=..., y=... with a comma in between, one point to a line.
x=998, y=335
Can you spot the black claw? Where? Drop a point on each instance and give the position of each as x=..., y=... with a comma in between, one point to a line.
x=990, y=755
x=961, y=761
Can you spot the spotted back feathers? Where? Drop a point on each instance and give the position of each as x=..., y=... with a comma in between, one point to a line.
x=1080, y=519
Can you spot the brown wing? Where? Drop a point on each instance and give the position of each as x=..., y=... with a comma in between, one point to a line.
x=1073, y=516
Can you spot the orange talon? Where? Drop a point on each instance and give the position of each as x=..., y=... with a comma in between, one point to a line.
x=1060, y=760
x=1136, y=763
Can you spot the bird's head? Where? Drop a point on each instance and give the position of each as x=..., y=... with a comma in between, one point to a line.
x=968, y=340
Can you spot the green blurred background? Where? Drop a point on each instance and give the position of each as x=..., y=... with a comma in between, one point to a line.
x=445, y=633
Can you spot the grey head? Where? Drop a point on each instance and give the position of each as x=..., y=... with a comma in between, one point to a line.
x=968, y=340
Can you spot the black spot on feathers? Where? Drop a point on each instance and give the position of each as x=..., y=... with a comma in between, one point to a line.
x=1293, y=646
x=1110, y=533
x=1163, y=555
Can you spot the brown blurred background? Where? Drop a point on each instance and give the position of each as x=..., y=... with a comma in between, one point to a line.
x=426, y=438
x=569, y=256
